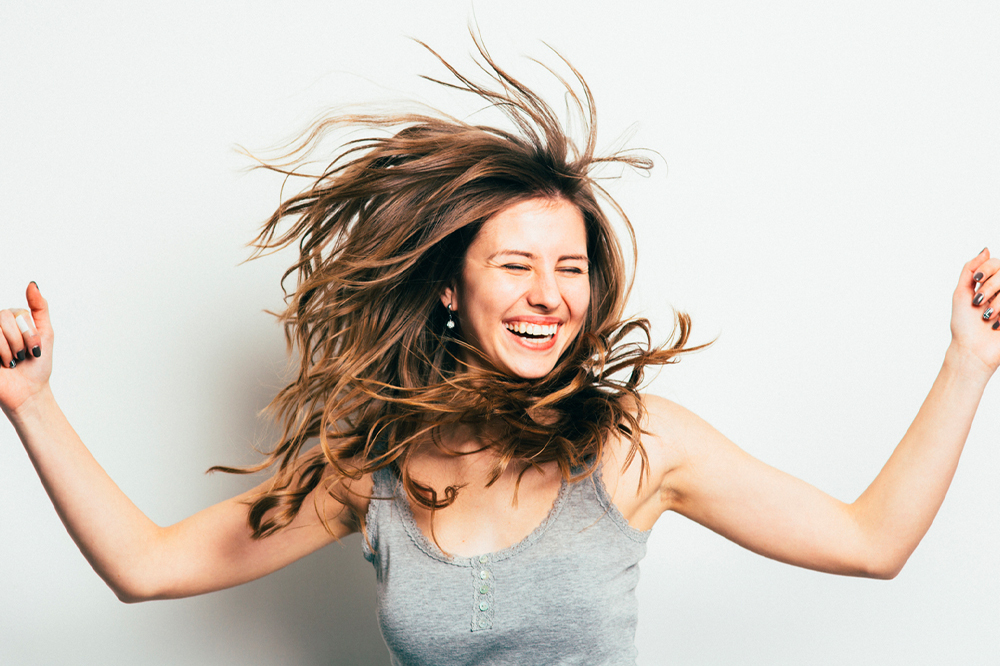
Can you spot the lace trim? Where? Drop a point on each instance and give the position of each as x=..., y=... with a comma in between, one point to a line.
x=639, y=536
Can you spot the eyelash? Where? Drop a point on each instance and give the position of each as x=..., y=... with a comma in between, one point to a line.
x=520, y=267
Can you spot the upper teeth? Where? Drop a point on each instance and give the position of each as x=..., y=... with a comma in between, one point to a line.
x=532, y=329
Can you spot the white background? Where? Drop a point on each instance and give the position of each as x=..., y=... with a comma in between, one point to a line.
x=826, y=169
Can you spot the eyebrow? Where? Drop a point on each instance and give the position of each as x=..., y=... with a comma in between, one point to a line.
x=529, y=255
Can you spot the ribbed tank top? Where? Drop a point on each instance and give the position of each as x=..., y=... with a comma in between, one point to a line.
x=563, y=595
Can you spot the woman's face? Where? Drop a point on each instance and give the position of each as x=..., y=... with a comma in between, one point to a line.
x=523, y=292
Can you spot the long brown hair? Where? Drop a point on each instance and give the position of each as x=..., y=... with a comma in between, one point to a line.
x=381, y=232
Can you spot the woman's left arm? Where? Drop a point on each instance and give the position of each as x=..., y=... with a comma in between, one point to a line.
x=716, y=484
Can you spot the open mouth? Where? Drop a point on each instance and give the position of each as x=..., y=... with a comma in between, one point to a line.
x=534, y=332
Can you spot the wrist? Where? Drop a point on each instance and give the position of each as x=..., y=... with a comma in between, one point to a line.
x=967, y=364
x=33, y=408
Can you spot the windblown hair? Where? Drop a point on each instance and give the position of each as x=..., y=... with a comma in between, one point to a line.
x=381, y=233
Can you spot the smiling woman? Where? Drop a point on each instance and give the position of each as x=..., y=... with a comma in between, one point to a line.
x=467, y=397
x=523, y=293
x=426, y=258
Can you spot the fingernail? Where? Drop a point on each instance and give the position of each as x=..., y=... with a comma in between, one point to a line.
x=996, y=324
x=988, y=313
x=978, y=299
x=36, y=351
x=21, y=355
x=978, y=276
x=13, y=364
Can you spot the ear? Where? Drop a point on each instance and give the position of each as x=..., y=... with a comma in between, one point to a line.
x=449, y=297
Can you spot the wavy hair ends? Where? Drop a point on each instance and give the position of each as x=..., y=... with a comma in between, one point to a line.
x=380, y=233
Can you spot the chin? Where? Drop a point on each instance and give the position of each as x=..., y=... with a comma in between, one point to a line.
x=530, y=370
x=532, y=374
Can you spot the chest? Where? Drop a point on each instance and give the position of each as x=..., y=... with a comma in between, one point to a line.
x=489, y=516
x=568, y=587
x=485, y=519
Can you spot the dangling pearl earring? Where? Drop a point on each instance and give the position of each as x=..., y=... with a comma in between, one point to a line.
x=451, y=321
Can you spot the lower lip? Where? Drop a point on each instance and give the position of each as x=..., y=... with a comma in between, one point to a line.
x=534, y=345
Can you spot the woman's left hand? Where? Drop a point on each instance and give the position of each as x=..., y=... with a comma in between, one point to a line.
x=975, y=310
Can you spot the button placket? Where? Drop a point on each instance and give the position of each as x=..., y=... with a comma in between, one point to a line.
x=484, y=585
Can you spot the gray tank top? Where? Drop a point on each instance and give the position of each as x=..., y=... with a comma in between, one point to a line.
x=563, y=595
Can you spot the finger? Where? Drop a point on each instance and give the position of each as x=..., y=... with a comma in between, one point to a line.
x=985, y=269
x=12, y=337
x=987, y=290
x=978, y=260
x=39, y=308
x=967, y=281
x=987, y=282
x=32, y=341
x=6, y=357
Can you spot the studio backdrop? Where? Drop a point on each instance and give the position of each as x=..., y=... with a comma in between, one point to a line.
x=823, y=170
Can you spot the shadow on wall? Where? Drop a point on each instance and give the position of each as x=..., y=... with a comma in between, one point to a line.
x=321, y=609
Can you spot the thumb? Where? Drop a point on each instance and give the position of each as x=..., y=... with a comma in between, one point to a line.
x=39, y=308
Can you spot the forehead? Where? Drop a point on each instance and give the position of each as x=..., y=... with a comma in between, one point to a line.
x=539, y=226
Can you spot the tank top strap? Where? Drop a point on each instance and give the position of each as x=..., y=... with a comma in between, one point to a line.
x=379, y=510
x=605, y=500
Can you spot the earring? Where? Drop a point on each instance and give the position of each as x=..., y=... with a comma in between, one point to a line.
x=451, y=322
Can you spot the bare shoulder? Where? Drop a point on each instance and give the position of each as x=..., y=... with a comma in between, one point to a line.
x=642, y=493
x=671, y=428
x=678, y=436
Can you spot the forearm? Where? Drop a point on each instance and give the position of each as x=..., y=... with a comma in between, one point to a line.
x=898, y=507
x=109, y=529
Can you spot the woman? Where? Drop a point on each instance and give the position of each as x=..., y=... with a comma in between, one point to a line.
x=467, y=372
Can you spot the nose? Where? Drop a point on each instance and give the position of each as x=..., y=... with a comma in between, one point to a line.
x=544, y=291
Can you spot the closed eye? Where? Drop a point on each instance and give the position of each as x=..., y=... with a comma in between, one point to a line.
x=515, y=267
x=572, y=270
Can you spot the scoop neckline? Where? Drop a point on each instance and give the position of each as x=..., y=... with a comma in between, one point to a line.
x=431, y=549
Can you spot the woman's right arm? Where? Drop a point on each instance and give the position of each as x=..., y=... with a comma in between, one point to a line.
x=139, y=560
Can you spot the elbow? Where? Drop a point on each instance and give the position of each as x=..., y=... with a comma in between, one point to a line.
x=884, y=566
x=131, y=589
x=130, y=594
x=884, y=573
x=137, y=594
x=130, y=598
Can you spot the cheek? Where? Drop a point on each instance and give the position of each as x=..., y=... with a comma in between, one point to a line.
x=485, y=307
x=579, y=301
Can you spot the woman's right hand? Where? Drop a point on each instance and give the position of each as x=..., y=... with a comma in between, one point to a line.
x=25, y=351
x=138, y=559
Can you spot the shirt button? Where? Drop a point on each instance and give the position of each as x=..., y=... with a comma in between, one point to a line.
x=483, y=623
x=484, y=574
x=485, y=589
x=483, y=606
x=483, y=559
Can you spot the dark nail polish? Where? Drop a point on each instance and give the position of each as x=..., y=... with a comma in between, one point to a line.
x=978, y=277
x=20, y=355
x=988, y=314
x=36, y=351
x=13, y=364
x=978, y=299
x=996, y=324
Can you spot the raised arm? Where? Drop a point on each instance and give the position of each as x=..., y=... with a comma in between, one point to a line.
x=139, y=560
x=715, y=483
